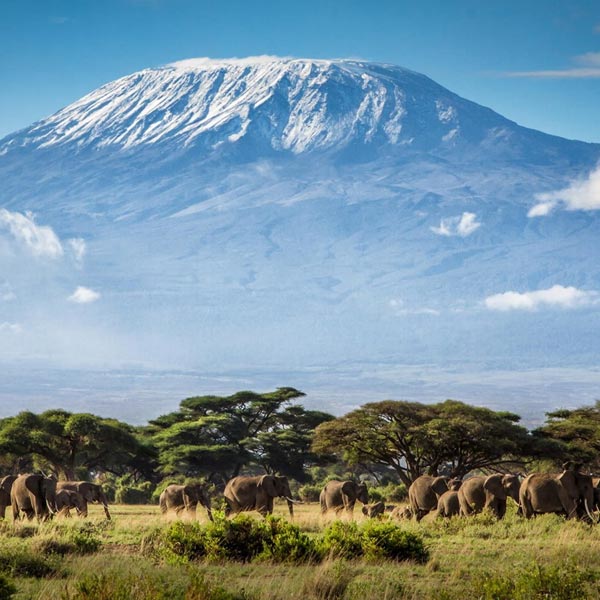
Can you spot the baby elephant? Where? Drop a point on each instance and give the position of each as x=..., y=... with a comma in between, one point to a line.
x=402, y=513
x=68, y=499
x=448, y=504
x=373, y=510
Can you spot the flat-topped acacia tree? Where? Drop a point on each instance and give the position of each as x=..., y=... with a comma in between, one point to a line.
x=222, y=435
x=414, y=438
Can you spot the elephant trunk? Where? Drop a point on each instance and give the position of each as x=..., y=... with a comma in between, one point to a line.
x=209, y=513
x=290, y=504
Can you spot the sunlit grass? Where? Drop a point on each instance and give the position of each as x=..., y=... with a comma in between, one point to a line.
x=463, y=554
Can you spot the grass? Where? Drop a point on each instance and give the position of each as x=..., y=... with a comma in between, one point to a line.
x=478, y=557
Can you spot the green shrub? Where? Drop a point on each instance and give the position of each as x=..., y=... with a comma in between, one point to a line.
x=17, y=560
x=239, y=539
x=186, y=540
x=7, y=589
x=342, y=539
x=392, y=492
x=387, y=540
x=130, y=494
x=556, y=583
x=284, y=542
x=310, y=492
x=85, y=539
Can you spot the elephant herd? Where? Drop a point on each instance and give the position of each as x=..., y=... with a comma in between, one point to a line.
x=571, y=493
x=33, y=495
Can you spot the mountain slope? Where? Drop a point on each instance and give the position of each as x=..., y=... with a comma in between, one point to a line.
x=295, y=214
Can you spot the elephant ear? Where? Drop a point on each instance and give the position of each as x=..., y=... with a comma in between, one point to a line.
x=568, y=480
x=440, y=485
x=267, y=484
x=349, y=488
x=493, y=485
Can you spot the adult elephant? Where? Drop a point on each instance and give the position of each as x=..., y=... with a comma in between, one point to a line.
x=5, y=487
x=425, y=491
x=90, y=492
x=570, y=493
x=478, y=493
x=244, y=493
x=34, y=495
x=342, y=495
x=185, y=497
x=66, y=500
x=448, y=504
x=373, y=510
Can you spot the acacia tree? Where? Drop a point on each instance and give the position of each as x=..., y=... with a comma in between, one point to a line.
x=412, y=438
x=219, y=436
x=65, y=442
x=573, y=435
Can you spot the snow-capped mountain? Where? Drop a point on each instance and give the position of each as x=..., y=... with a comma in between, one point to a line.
x=228, y=215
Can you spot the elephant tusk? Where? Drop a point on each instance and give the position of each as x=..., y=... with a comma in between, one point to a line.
x=587, y=510
x=293, y=501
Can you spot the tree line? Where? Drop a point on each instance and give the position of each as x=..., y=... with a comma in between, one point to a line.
x=218, y=437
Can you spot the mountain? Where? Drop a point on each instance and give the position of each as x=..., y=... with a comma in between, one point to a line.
x=297, y=218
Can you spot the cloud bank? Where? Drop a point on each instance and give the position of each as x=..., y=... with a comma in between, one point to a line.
x=40, y=240
x=83, y=295
x=583, y=194
x=462, y=226
x=557, y=296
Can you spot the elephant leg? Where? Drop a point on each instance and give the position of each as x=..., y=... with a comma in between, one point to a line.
x=84, y=509
x=2, y=511
x=39, y=506
x=15, y=511
x=323, y=505
x=270, y=505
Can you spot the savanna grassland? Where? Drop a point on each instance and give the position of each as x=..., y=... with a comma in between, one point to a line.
x=140, y=554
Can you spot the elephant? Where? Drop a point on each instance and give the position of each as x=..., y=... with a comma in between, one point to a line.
x=402, y=512
x=448, y=504
x=244, y=493
x=477, y=493
x=90, y=492
x=5, y=486
x=595, y=483
x=570, y=493
x=342, y=495
x=68, y=499
x=185, y=497
x=373, y=510
x=34, y=495
x=424, y=492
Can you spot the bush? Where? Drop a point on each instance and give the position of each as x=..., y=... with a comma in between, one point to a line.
x=239, y=539
x=187, y=540
x=310, y=492
x=342, y=539
x=387, y=540
x=559, y=583
x=85, y=539
x=392, y=492
x=7, y=589
x=20, y=561
x=284, y=542
x=129, y=494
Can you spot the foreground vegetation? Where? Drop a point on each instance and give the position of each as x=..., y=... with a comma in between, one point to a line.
x=140, y=555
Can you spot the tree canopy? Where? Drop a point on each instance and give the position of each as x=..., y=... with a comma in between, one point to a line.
x=64, y=442
x=221, y=435
x=414, y=438
x=575, y=433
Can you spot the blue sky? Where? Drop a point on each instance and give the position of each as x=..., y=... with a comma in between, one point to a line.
x=535, y=61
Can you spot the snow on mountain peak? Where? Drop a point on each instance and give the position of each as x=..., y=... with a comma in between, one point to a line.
x=285, y=104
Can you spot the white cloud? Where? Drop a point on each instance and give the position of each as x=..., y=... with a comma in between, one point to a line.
x=79, y=248
x=582, y=194
x=589, y=69
x=83, y=295
x=462, y=226
x=542, y=209
x=399, y=309
x=40, y=240
x=10, y=327
x=557, y=296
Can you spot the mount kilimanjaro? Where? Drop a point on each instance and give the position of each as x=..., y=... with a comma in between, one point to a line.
x=331, y=224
